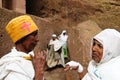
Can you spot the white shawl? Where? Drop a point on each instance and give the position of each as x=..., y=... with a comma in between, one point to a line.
x=14, y=67
x=63, y=38
x=109, y=66
x=56, y=43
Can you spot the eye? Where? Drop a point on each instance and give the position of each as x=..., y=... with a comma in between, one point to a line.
x=93, y=43
x=100, y=45
x=34, y=33
x=97, y=43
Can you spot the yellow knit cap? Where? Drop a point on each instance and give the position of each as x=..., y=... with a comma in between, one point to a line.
x=20, y=26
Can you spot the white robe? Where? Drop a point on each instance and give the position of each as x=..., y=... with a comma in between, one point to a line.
x=52, y=54
x=14, y=67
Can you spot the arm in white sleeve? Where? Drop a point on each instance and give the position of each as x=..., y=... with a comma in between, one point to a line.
x=75, y=64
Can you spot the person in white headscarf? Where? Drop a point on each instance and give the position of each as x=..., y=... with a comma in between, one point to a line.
x=105, y=55
x=63, y=39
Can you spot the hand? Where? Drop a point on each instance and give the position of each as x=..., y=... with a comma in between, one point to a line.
x=39, y=61
x=72, y=65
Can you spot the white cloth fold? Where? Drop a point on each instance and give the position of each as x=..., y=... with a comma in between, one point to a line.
x=56, y=43
x=14, y=67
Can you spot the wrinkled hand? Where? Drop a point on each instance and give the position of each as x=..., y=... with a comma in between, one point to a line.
x=72, y=65
x=39, y=61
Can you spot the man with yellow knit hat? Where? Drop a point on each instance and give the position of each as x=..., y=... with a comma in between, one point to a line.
x=19, y=64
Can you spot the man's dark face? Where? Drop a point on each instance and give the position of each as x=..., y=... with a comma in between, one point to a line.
x=30, y=41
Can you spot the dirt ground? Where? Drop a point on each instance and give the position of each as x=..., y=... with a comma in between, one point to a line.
x=82, y=20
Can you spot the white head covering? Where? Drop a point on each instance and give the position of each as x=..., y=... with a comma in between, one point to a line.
x=110, y=39
x=63, y=38
x=64, y=31
x=54, y=35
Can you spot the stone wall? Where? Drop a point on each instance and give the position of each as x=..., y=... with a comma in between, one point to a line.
x=15, y=5
x=0, y=3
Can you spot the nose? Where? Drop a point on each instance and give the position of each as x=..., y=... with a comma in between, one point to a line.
x=94, y=48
